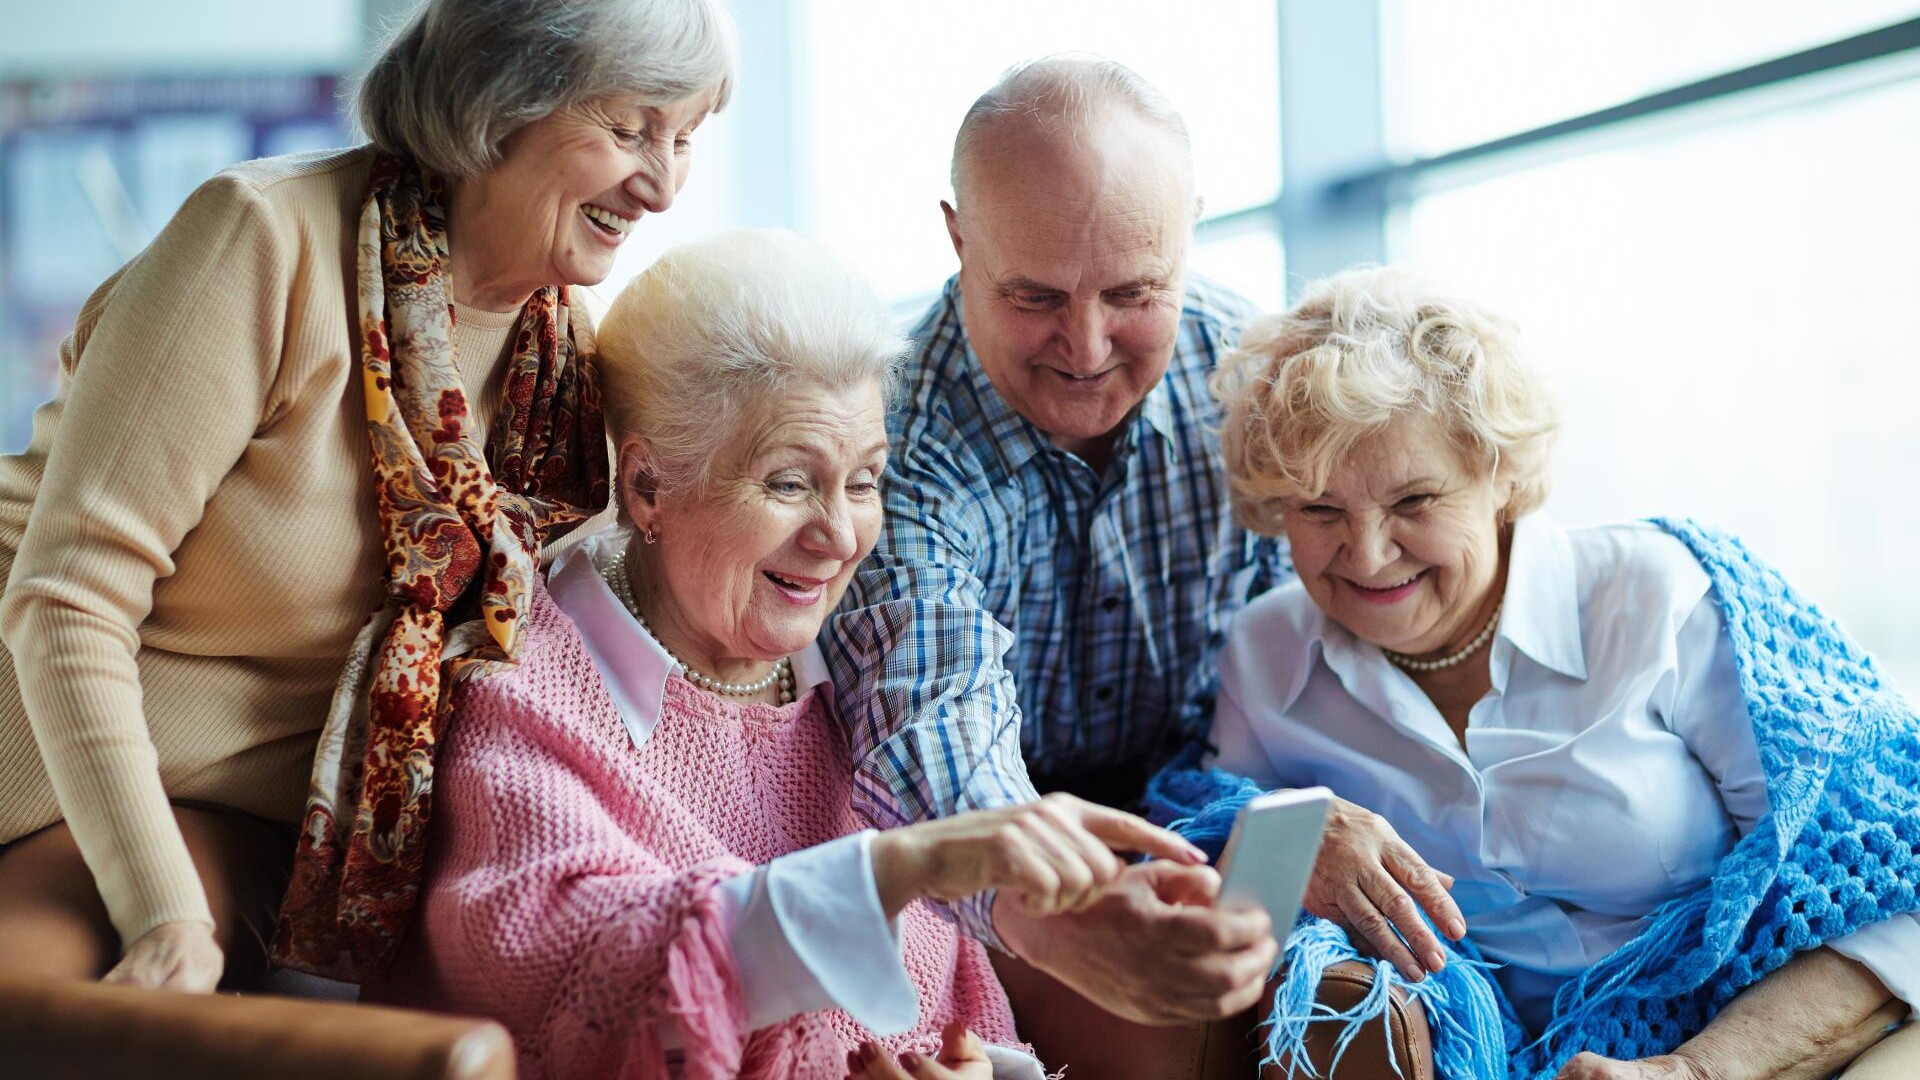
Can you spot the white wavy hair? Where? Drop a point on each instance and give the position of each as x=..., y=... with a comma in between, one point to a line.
x=694, y=348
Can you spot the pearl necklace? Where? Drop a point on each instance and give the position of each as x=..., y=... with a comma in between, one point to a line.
x=616, y=575
x=1485, y=635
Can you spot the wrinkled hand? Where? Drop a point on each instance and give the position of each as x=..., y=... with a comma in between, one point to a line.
x=172, y=956
x=1589, y=1066
x=1362, y=881
x=961, y=1058
x=1051, y=856
x=1151, y=947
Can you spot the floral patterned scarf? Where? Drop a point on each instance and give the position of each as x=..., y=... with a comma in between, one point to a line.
x=462, y=533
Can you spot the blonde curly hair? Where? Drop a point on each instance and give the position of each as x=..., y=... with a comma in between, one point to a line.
x=1363, y=348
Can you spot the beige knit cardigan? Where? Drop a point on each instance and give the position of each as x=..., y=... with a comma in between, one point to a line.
x=190, y=542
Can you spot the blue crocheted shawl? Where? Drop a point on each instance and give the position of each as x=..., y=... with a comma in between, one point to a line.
x=1839, y=850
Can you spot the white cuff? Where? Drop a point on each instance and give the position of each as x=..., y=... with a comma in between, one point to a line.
x=1011, y=1064
x=808, y=933
x=1891, y=950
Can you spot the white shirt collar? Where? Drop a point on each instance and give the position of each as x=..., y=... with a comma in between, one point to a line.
x=632, y=663
x=1541, y=616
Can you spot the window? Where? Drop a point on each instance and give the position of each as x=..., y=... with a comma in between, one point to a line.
x=1474, y=70
x=887, y=83
x=1722, y=294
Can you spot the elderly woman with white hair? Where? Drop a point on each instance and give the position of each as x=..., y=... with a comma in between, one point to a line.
x=648, y=850
x=337, y=383
x=1677, y=804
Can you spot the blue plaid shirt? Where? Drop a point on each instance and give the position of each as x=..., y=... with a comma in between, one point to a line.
x=1023, y=615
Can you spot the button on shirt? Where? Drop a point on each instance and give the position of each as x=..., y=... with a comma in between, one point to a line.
x=1024, y=613
x=1609, y=769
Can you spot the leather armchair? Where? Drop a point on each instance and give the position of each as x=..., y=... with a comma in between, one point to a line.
x=67, y=1030
x=1343, y=987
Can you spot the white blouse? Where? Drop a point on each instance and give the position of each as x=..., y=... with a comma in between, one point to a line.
x=1608, y=770
x=807, y=930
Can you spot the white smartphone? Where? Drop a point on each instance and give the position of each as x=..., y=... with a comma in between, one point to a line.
x=1269, y=856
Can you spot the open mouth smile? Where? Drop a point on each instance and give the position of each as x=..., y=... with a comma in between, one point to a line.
x=798, y=590
x=1072, y=379
x=1389, y=592
x=608, y=222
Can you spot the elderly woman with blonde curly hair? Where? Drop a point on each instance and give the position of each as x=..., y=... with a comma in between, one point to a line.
x=1675, y=801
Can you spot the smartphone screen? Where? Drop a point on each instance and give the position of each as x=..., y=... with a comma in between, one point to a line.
x=1269, y=857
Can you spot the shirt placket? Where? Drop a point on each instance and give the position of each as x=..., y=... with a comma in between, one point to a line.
x=1110, y=600
x=1391, y=695
x=1078, y=730
x=1495, y=837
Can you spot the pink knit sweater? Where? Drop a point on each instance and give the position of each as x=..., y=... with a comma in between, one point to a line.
x=572, y=887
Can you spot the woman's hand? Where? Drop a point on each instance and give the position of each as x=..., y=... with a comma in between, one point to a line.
x=1053, y=856
x=1362, y=881
x=1591, y=1066
x=1805, y=1021
x=961, y=1058
x=172, y=956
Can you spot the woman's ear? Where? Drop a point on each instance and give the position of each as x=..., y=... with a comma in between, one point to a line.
x=638, y=492
x=1504, y=491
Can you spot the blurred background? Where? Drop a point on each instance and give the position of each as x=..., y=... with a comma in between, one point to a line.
x=1705, y=213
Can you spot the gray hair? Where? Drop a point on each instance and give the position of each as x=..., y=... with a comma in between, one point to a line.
x=1066, y=90
x=460, y=76
x=694, y=348
x=1360, y=350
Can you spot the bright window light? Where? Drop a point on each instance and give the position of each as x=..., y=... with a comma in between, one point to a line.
x=1729, y=318
x=1473, y=70
x=887, y=84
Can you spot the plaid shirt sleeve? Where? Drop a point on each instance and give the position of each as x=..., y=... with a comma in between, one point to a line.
x=917, y=659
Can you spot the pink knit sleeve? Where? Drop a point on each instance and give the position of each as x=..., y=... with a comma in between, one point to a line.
x=659, y=952
x=543, y=911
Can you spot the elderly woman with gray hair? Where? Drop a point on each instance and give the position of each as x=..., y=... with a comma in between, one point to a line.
x=648, y=851
x=335, y=384
x=1676, y=802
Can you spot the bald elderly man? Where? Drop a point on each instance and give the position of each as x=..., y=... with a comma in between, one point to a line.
x=1059, y=562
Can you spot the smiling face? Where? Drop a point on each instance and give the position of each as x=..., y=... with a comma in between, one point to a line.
x=1072, y=255
x=746, y=571
x=568, y=189
x=1404, y=547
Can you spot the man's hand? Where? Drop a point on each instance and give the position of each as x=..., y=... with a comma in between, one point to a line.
x=1151, y=948
x=1362, y=881
x=1053, y=855
x=172, y=956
